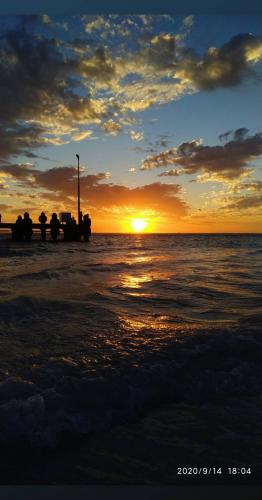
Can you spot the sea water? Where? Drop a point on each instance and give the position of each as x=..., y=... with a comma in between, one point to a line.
x=94, y=333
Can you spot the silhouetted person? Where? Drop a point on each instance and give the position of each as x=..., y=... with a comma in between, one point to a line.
x=18, y=229
x=86, y=227
x=27, y=227
x=55, y=225
x=71, y=231
x=42, y=219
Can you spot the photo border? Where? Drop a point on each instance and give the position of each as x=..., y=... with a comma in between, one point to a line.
x=70, y=7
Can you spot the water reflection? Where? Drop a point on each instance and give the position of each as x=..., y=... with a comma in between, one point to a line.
x=136, y=258
x=129, y=281
x=147, y=322
x=138, y=240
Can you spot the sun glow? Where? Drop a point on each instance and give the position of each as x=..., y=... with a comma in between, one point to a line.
x=139, y=225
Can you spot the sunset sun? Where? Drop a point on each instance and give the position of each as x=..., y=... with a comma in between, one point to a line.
x=139, y=225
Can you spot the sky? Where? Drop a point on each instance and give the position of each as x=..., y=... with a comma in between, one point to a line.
x=164, y=111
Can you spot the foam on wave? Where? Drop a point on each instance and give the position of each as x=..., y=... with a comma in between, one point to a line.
x=204, y=367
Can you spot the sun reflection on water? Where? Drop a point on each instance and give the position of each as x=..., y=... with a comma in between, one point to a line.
x=152, y=324
x=129, y=281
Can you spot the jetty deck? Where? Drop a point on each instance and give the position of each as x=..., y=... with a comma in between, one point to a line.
x=35, y=225
x=75, y=233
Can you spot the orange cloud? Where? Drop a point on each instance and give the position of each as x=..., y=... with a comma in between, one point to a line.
x=61, y=185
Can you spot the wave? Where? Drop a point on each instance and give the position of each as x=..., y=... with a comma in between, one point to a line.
x=200, y=368
x=134, y=322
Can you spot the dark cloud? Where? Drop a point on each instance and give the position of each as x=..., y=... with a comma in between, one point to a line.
x=18, y=171
x=246, y=202
x=140, y=149
x=221, y=67
x=40, y=81
x=251, y=186
x=169, y=173
x=228, y=161
x=32, y=69
x=225, y=136
x=237, y=135
x=162, y=51
x=63, y=180
x=16, y=138
x=224, y=66
x=51, y=87
x=30, y=154
x=240, y=134
x=161, y=142
x=245, y=196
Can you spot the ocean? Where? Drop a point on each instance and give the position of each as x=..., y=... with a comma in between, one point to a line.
x=95, y=334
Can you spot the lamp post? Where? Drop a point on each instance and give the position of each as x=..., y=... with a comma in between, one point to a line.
x=78, y=190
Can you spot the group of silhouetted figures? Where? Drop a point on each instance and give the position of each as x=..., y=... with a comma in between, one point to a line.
x=23, y=228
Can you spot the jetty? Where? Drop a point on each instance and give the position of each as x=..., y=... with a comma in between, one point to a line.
x=70, y=233
x=73, y=231
x=10, y=225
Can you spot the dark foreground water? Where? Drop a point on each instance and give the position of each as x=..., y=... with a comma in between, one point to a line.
x=92, y=334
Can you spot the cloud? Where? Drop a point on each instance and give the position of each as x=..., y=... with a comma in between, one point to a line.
x=46, y=19
x=246, y=202
x=109, y=26
x=153, y=121
x=3, y=206
x=221, y=67
x=224, y=137
x=111, y=127
x=60, y=184
x=223, y=162
x=40, y=100
x=20, y=139
x=169, y=173
x=96, y=23
x=252, y=186
x=224, y=66
x=237, y=135
x=18, y=171
x=63, y=180
x=240, y=134
x=136, y=136
x=53, y=88
x=158, y=197
x=80, y=136
x=188, y=21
